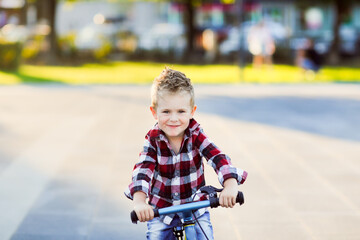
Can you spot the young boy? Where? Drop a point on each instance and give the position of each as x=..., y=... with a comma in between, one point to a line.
x=170, y=169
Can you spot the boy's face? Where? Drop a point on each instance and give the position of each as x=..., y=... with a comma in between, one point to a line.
x=173, y=113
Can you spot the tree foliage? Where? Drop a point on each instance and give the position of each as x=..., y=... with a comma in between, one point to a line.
x=341, y=10
x=189, y=16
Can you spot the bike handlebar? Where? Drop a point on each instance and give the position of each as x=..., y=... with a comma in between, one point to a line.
x=212, y=202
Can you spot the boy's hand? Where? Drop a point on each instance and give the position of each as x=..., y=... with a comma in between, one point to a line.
x=229, y=193
x=143, y=210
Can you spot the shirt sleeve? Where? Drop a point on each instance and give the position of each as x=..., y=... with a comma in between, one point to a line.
x=219, y=161
x=143, y=170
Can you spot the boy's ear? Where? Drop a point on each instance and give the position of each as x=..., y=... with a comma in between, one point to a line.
x=153, y=111
x=193, y=110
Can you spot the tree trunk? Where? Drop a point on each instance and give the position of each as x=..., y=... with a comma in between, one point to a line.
x=190, y=29
x=54, y=50
x=341, y=8
x=334, y=48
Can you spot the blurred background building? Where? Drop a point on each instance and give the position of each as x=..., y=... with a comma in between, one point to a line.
x=192, y=31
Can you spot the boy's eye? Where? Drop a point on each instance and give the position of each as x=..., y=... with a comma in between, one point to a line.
x=181, y=111
x=166, y=111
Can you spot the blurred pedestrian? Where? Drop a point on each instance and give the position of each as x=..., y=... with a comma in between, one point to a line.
x=209, y=38
x=309, y=59
x=261, y=44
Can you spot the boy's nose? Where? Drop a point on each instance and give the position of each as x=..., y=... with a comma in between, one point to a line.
x=173, y=117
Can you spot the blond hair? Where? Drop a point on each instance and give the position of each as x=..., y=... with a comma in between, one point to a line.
x=171, y=81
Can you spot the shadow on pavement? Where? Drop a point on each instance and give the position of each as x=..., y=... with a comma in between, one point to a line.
x=30, y=79
x=331, y=117
x=72, y=210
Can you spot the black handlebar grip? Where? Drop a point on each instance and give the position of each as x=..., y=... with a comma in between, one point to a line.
x=134, y=217
x=215, y=202
x=156, y=213
x=240, y=198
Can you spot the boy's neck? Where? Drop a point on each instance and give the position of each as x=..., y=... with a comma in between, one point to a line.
x=175, y=143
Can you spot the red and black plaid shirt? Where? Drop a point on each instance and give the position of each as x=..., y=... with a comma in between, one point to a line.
x=171, y=179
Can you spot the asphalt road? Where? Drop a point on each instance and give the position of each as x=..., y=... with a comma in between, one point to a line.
x=67, y=152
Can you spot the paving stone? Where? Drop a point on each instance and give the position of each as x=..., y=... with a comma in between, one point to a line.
x=299, y=143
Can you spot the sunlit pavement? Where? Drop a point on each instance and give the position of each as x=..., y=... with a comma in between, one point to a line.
x=66, y=155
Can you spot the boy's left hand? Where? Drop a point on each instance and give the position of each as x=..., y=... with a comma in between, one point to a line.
x=229, y=193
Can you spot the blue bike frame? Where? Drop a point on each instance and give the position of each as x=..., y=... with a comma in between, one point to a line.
x=186, y=210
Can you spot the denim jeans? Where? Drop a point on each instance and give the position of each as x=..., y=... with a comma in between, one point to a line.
x=158, y=230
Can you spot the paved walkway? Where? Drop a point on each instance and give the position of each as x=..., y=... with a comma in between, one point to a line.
x=66, y=155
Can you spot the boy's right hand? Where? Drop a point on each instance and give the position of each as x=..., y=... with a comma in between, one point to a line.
x=143, y=210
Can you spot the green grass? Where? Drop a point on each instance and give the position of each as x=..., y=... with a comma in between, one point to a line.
x=144, y=73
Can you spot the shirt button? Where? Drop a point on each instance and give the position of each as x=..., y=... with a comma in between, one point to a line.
x=176, y=194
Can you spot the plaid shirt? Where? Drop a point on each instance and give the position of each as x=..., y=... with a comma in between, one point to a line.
x=171, y=179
